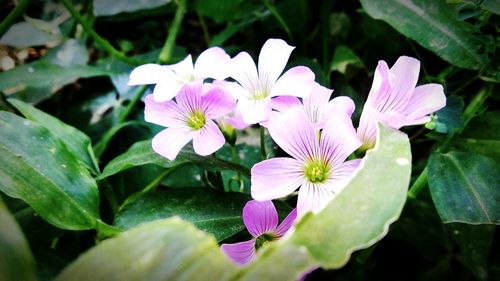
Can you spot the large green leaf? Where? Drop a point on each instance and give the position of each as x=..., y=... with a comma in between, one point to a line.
x=39, y=169
x=482, y=135
x=142, y=153
x=17, y=263
x=214, y=212
x=162, y=250
x=76, y=141
x=434, y=25
x=464, y=187
x=109, y=8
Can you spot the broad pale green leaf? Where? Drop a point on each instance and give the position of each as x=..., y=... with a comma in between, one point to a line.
x=434, y=25
x=142, y=153
x=162, y=250
x=218, y=213
x=25, y=34
x=39, y=169
x=109, y=8
x=76, y=141
x=464, y=187
x=482, y=135
x=17, y=262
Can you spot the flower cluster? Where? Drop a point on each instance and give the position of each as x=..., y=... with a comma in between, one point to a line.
x=314, y=130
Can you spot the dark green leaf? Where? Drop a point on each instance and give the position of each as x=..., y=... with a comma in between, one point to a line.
x=482, y=135
x=39, y=169
x=220, y=11
x=344, y=57
x=109, y=8
x=433, y=24
x=17, y=261
x=214, y=212
x=142, y=153
x=464, y=187
x=25, y=34
x=449, y=118
x=76, y=141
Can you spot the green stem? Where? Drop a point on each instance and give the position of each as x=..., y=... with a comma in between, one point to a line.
x=263, y=152
x=418, y=185
x=166, y=52
x=133, y=102
x=204, y=28
x=13, y=15
x=278, y=17
x=87, y=26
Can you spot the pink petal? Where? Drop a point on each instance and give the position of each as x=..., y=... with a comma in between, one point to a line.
x=425, y=100
x=342, y=104
x=260, y=217
x=381, y=86
x=275, y=178
x=283, y=103
x=237, y=121
x=217, y=102
x=313, y=198
x=166, y=114
x=189, y=98
x=208, y=140
x=367, y=130
x=240, y=253
x=295, y=134
x=272, y=60
x=254, y=111
x=342, y=174
x=212, y=63
x=183, y=68
x=287, y=223
x=170, y=141
x=297, y=81
x=315, y=106
x=244, y=71
x=167, y=90
x=150, y=74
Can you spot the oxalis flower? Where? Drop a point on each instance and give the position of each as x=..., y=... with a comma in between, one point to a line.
x=261, y=220
x=188, y=118
x=256, y=88
x=317, y=166
x=169, y=79
x=394, y=99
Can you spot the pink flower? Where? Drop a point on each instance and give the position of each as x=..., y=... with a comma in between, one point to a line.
x=394, y=99
x=317, y=165
x=261, y=220
x=169, y=79
x=256, y=88
x=188, y=118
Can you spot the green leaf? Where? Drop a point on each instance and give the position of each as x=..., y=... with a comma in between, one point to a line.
x=71, y=52
x=434, y=25
x=142, y=153
x=17, y=260
x=482, y=135
x=449, y=118
x=220, y=11
x=77, y=142
x=39, y=169
x=110, y=8
x=214, y=212
x=464, y=187
x=344, y=57
x=162, y=250
x=26, y=34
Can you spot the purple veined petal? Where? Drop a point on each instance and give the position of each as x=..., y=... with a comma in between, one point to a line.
x=260, y=217
x=184, y=68
x=208, y=140
x=297, y=81
x=150, y=74
x=272, y=60
x=166, y=113
x=170, y=141
x=338, y=139
x=217, y=102
x=381, y=86
x=287, y=223
x=425, y=100
x=313, y=198
x=342, y=104
x=167, y=90
x=367, y=130
x=283, y=103
x=244, y=71
x=295, y=134
x=254, y=111
x=212, y=63
x=315, y=106
x=189, y=97
x=241, y=253
x=237, y=121
x=342, y=174
x=275, y=178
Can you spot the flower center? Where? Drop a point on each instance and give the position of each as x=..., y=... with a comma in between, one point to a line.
x=197, y=120
x=259, y=95
x=189, y=78
x=316, y=171
x=264, y=239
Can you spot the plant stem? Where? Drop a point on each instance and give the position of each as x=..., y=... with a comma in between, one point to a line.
x=278, y=17
x=87, y=26
x=263, y=152
x=418, y=185
x=204, y=28
x=166, y=52
x=133, y=102
x=12, y=16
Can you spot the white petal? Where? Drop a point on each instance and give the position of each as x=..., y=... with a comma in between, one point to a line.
x=183, y=68
x=213, y=63
x=254, y=111
x=272, y=60
x=170, y=141
x=313, y=198
x=150, y=74
x=244, y=71
x=166, y=90
x=297, y=81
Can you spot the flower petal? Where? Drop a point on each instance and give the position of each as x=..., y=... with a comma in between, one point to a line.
x=166, y=114
x=342, y=174
x=313, y=198
x=275, y=178
x=170, y=141
x=294, y=133
x=287, y=223
x=316, y=105
x=167, y=90
x=208, y=140
x=240, y=253
x=150, y=74
x=189, y=97
x=283, y=103
x=237, y=121
x=342, y=104
x=217, y=102
x=244, y=71
x=260, y=217
x=297, y=81
x=212, y=63
x=254, y=111
x=272, y=60
x=426, y=99
x=184, y=67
